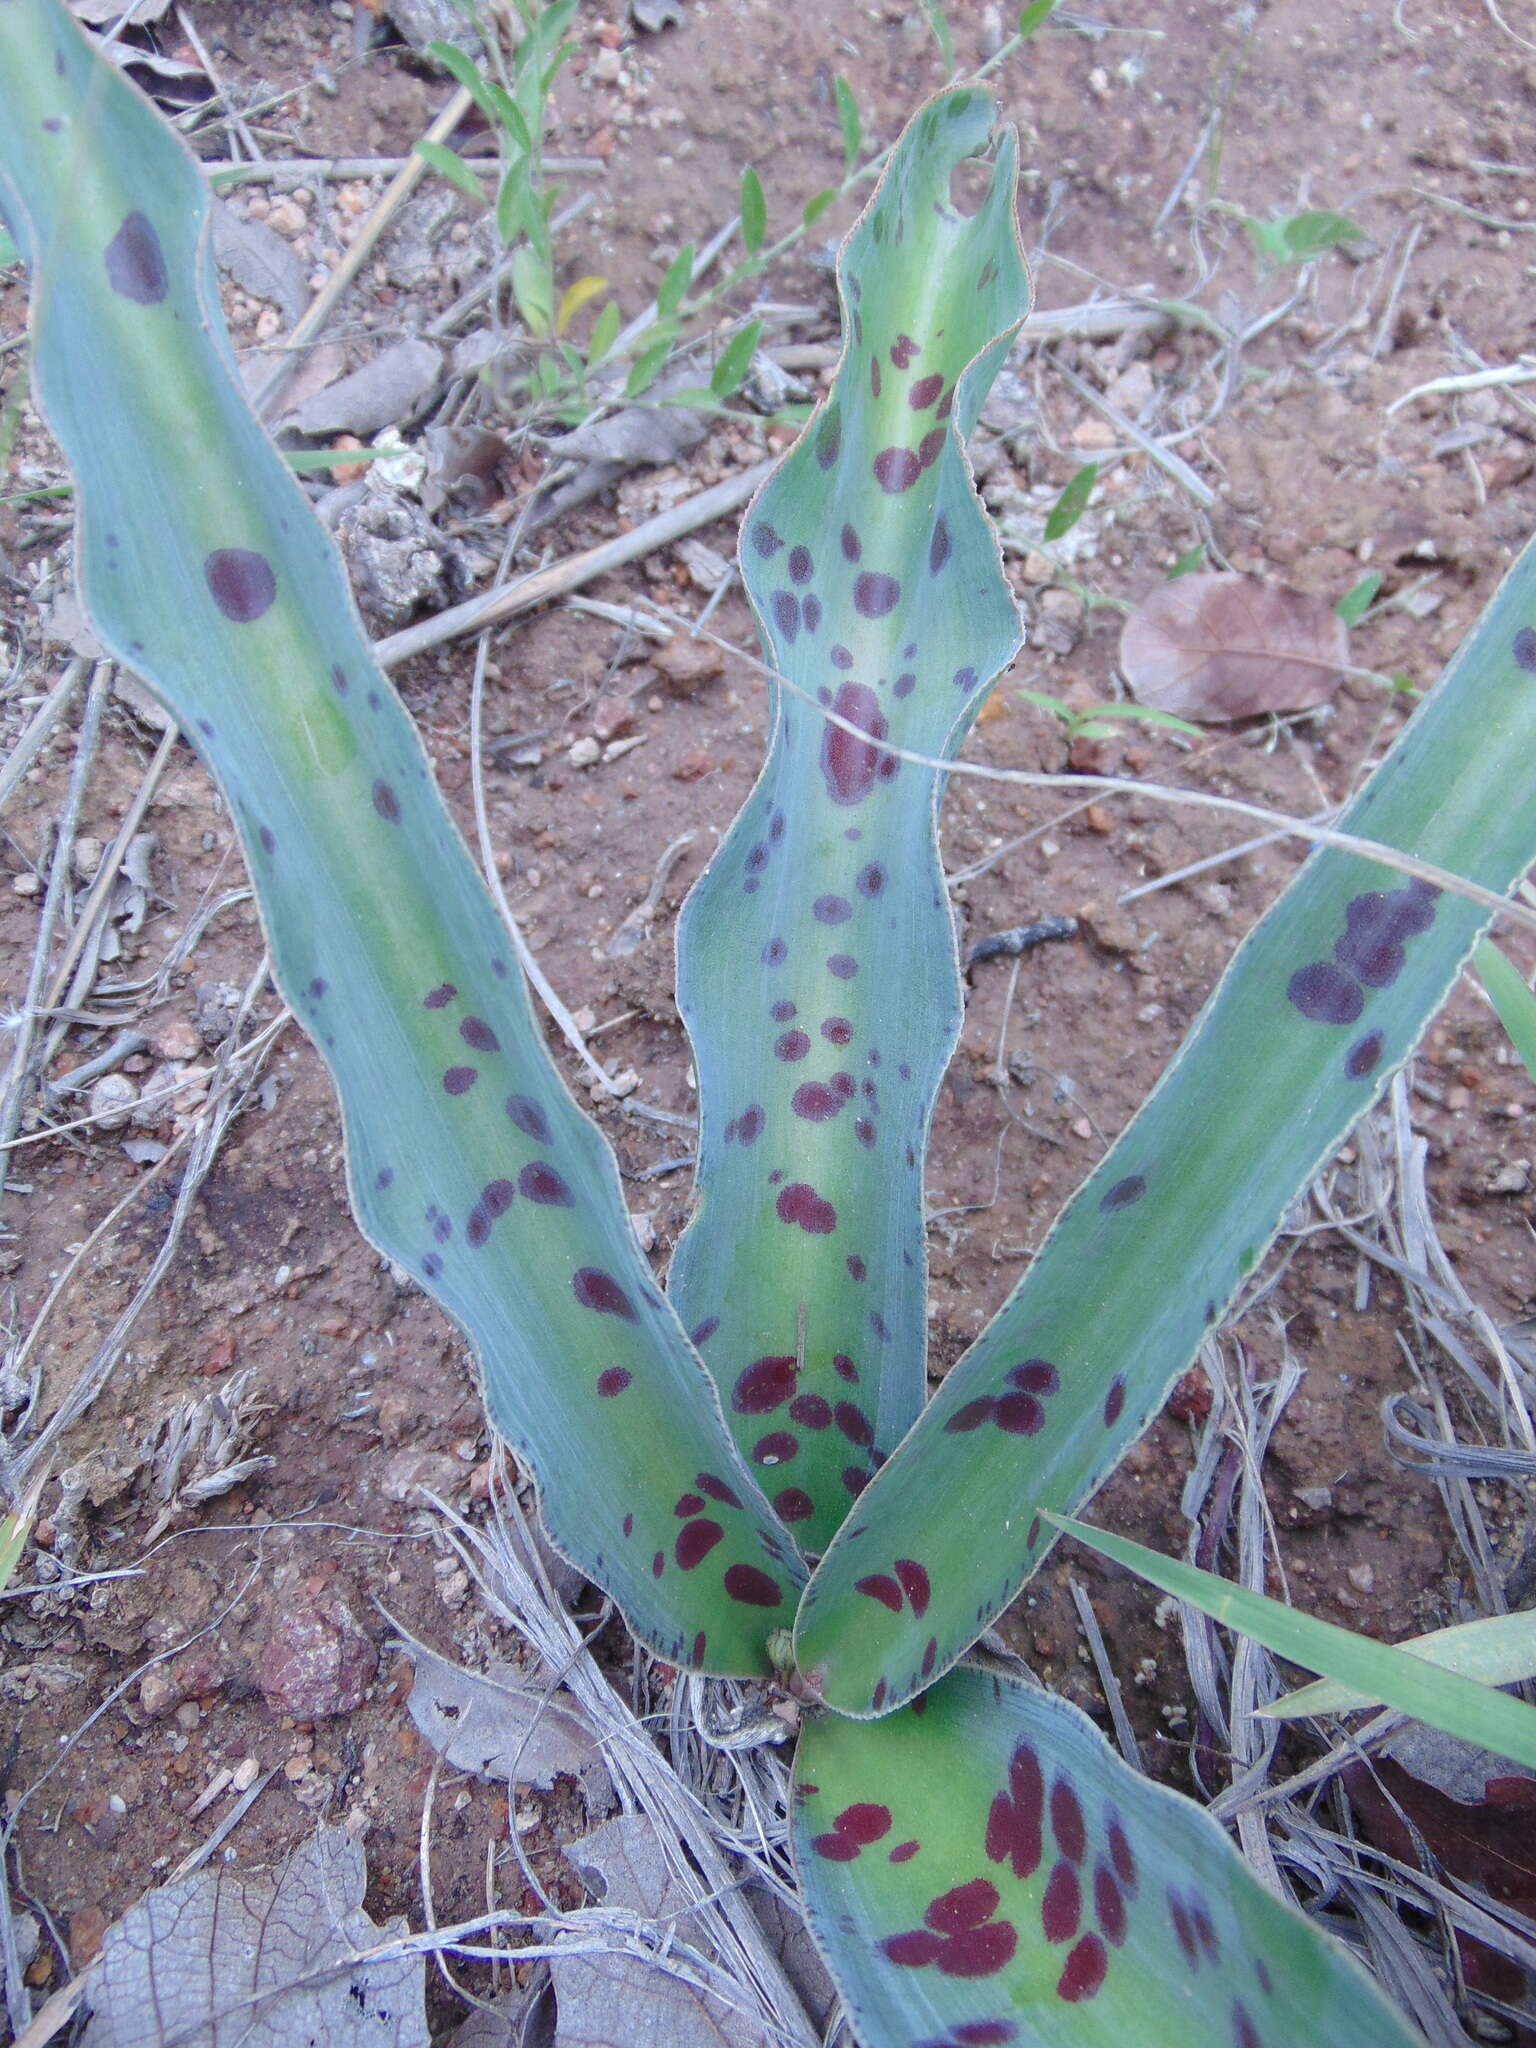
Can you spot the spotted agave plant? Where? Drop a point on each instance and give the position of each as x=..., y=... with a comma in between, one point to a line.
x=977, y=1865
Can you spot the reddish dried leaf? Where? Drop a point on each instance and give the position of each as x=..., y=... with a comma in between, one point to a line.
x=1221, y=647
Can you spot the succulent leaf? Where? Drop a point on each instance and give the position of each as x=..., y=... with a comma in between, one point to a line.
x=981, y=1870
x=205, y=570
x=816, y=957
x=1322, y=1002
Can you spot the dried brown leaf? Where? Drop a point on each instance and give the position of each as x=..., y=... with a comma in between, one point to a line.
x=1220, y=647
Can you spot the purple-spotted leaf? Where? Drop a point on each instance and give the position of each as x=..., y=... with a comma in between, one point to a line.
x=982, y=1871
x=204, y=569
x=816, y=960
x=1321, y=1004
x=1219, y=647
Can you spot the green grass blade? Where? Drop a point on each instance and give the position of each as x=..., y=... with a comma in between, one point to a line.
x=203, y=567
x=1498, y=1650
x=1394, y=1677
x=1323, y=1001
x=1510, y=994
x=816, y=958
x=982, y=1868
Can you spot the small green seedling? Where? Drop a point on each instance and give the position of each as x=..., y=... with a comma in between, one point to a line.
x=1100, y=721
x=749, y=1463
x=1299, y=237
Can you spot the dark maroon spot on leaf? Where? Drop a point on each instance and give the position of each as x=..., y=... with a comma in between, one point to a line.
x=874, y=376
x=688, y=1505
x=717, y=1489
x=1205, y=1931
x=855, y=1479
x=1325, y=993
x=752, y=1587
x=749, y=1125
x=704, y=1331
x=1261, y=1971
x=877, y=1586
x=864, y=1823
x=540, y=1183
x=837, y=1030
x=871, y=879
x=439, y=998
x=831, y=910
x=903, y=349
x=757, y=857
x=1244, y=2033
x=1108, y=1905
x=800, y=1204
x=849, y=763
x=1363, y=1056
x=856, y=1266
x=136, y=263
x=794, y=1504
x=613, y=1380
x=782, y=1012
x=599, y=1291
x=442, y=1227
x=385, y=1177
x=786, y=613
x=658, y=1564
x=240, y=582
x=459, y=1080
x=776, y=1448
x=528, y=1117
x=829, y=439
x=1122, y=1857
x=966, y=1907
x=1035, y=1376
x=1184, y=1930
x=835, y=1848
x=695, y=1543
x=851, y=545
x=896, y=469
x=874, y=595
x=1084, y=1972
x=854, y=1424
x=914, y=1583
x=1067, y=1821
x=981, y=1952
x=698, y=1647
x=432, y=1265
x=385, y=802
x=765, y=539
x=1123, y=1194
x=1525, y=650
x=1114, y=1401
x=971, y=1416
x=1019, y=1414
x=474, y=1031
x=925, y=391
x=985, y=2033
x=316, y=988
x=903, y=1852
x=904, y=685
x=339, y=679
x=765, y=1385
x=845, y=1368
x=841, y=657
x=791, y=1045
x=775, y=953
x=965, y=679
x=843, y=1083
x=810, y=612
x=914, y=1951
x=800, y=565
x=929, y=447
x=842, y=965
x=1061, y=1907
x=811, y=1411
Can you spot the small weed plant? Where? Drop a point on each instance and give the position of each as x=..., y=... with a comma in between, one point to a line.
x=747, y=1463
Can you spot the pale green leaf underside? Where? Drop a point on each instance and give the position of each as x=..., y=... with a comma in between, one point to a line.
x=1510, y=994
x=982, y=1869
x=816, y=958
x=1427, y=1689
x=1323, y=1001
x=204, y=569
